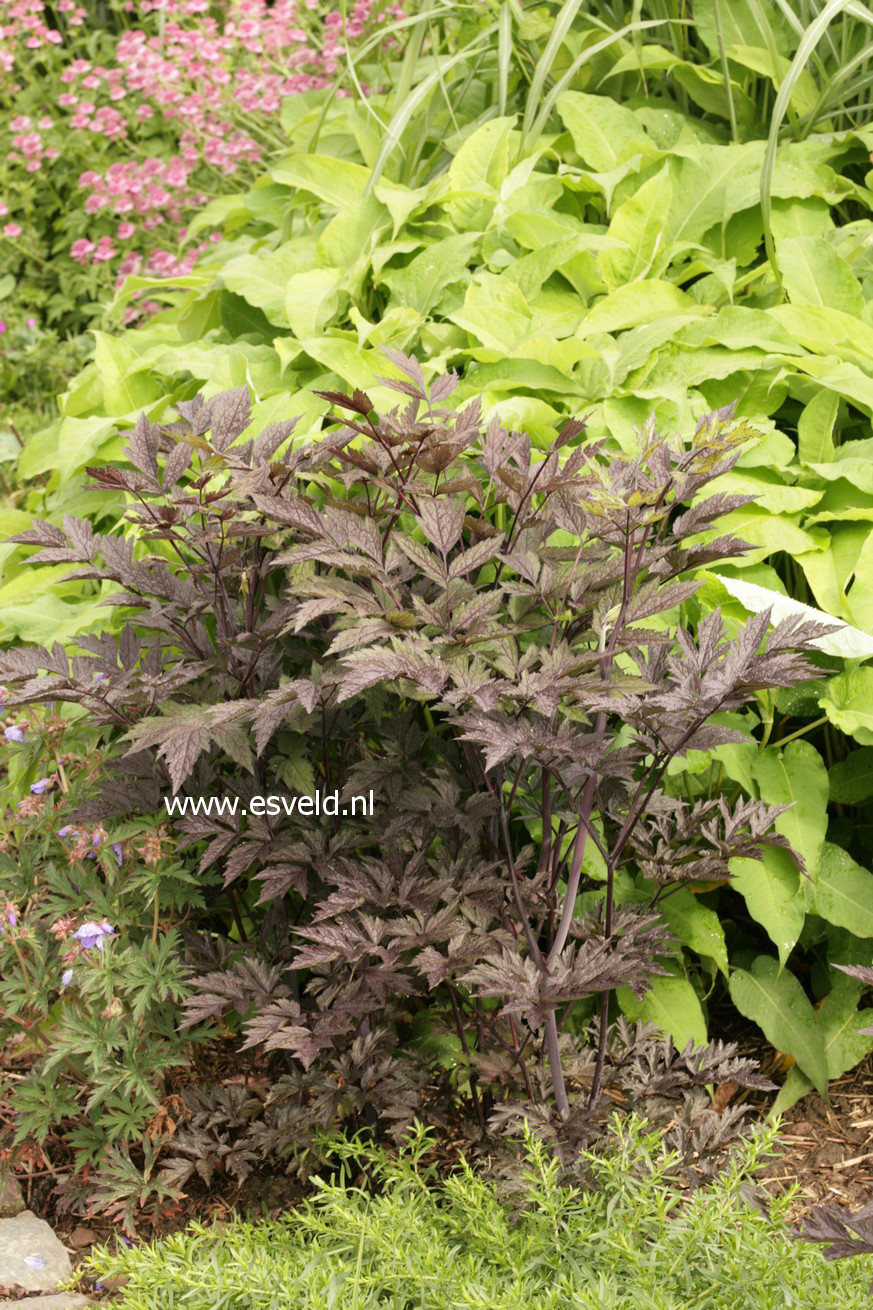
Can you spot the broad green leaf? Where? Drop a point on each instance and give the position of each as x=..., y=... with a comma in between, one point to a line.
x=844, y=892
x=631, y=306
x=351, y=234
x=774, y=1000
x=850, y=781
x=311, y=300
x=422, y=283
x=261, y=279
x=481, y=164
x=494, y=312
x=604, y=132
x=696, y=926
x=127, y=384
x=822, y=573
x=224, y=213
x=804, y=94
x=861, y=592
x=828, y=331
x=797, y=776
x=336, y=181
x=801, y=218
x=639, y=225
x=848, y=703
x=815, y=429
x=858, y=471
x=672, y=1004
x=770, y=887
x=79, y=440
x=768, y=490
x=814, y=273
x=847, y=642
x=845, y=1046
x=740, y=328
x=795, y=1087
x=710, y=183
x=37, y=606
x=842, y=1021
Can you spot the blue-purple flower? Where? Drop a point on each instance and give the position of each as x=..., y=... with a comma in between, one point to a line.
x=66, y=977
x=119, y=855
x=40, y=786
x=66, y=830
x=14, y=733
x=92, y=934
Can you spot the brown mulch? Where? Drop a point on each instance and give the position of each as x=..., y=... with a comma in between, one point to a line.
x=827, y=1148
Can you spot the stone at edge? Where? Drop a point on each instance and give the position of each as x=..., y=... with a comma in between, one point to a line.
x=54, y=1301
x=31, y=1257
x=11, y=1199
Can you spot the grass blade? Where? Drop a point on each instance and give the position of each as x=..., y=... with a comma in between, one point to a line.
x=805, y=51
x=544, y=64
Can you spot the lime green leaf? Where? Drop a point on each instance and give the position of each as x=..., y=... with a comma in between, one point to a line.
x=671, y=1003
x=261, y=279
x=481, y=164
x=421, y=284
x=851, y=780
x=604, y=132
x=336, y=181
x=814, y=273
x=311, y=300
x=848, y=703
x=696, y=926
x=844, y=892
x=776, y=1002
x=797, y=776
x=770, y=888
x=639, y=225
x=815, y=430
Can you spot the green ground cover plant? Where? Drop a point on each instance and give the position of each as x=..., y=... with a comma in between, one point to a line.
x=410, y=1239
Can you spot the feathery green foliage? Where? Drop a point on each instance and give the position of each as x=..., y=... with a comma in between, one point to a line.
x=416, y=1241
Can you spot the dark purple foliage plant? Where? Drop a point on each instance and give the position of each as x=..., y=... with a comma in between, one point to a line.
x=493, y=639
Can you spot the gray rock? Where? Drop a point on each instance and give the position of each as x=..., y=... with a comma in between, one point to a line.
x=59, y=1301
x=31, y=1257
x=11, y=1200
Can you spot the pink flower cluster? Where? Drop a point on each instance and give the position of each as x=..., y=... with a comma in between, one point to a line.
x=29, y=143
x=178, y=103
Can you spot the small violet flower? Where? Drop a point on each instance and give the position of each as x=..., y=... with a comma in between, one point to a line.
x=92, y=934
x=39, y=787
x=116, y=847
x=14, y=733
x=66, y=977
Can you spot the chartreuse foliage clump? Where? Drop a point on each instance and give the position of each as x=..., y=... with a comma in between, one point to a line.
x=412, y=1239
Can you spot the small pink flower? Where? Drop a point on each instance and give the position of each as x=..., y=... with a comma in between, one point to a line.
x=12, y=230
x=126, y=231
